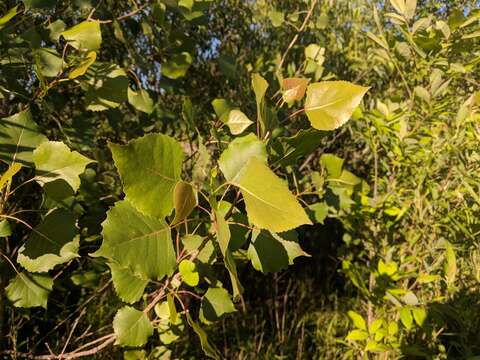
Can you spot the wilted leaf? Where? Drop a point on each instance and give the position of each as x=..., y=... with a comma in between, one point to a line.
x=84, y=65
x=294, y=89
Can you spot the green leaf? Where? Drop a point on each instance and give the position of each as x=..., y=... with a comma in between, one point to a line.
x=271, y=252
x=192, y=243
x=54, y=160
x=172, y=308
x=177, y=66
x=406, y=317
x=207, y=347
x=320, y=211
x=50, y=62
x=260, y=87
x=82, y=68
x=357, y=320
x=239, y=151
x=8, y=16
x=84, y=36
x=238, y=122
x=29, y=290
x=19, y=136
x=291, y=149
x=223, y=237
x=5, y=228
x=131, y=327
x=332, y=164
x=450, y=266
x=420, y=315
x=222, y=109
x=8, y=175
x=51, y=243
x=270, y=204
x=357, y=335
x=149, y=167
x=140, y=100
x=189, y=273
x=276, y=17
x=215, y=303
x=138, y=242
x=169, y=329
x=330, y=104
x=39, y=4
x=128, y=287
x=185, y=201
x=55, y=29
x=107, y=87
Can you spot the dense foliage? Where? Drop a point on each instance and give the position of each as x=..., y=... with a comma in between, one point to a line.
x=239, y=179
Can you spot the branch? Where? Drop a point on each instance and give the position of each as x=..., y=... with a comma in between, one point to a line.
x=295, y=38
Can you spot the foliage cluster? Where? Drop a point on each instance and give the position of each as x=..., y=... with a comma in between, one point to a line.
x=158, y=155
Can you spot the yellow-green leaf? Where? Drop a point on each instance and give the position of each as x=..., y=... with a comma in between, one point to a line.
x=84, y=65
x=84, y=36
x=270, y=204
x=330, y=104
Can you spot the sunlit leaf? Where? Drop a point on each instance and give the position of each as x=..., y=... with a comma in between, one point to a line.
x=270, y=204
x=84, y=36
x=330, y=104
x=138, y=242
x=131, y=327
x=238, y=122
x=140, y=100
x=149, y=167
x=54, y=160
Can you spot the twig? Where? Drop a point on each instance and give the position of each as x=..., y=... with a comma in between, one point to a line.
x=295, y=38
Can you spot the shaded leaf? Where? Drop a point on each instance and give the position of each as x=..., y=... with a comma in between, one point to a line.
x=207, y=347
x=177, y=66
x=19, y=136
x=215, y=303
x=51, y=243
x=185, y=201
x=140, y=100
x=271, y=252
x=29, y=290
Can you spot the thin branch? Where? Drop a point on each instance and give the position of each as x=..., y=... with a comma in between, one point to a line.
x=295, y=38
